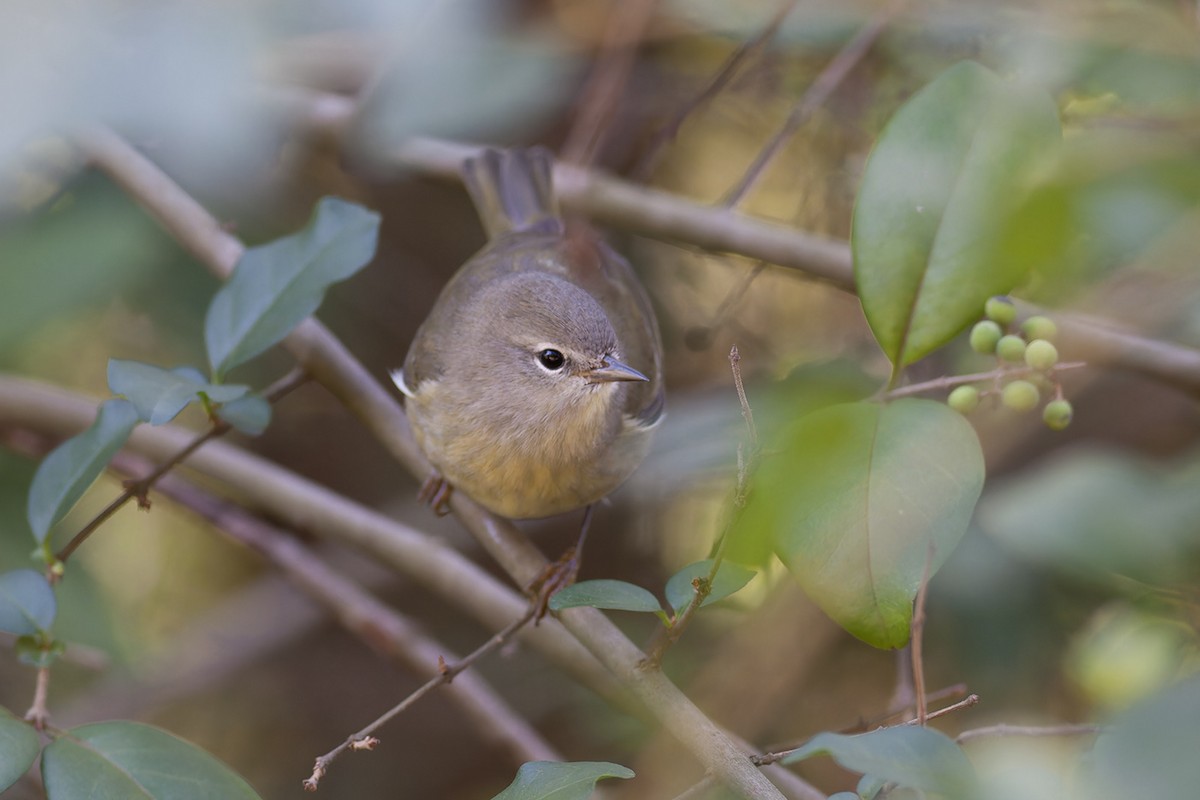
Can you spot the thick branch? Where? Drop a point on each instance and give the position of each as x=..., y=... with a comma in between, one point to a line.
x=327, y=360
x=308, y=506
x=659, y=215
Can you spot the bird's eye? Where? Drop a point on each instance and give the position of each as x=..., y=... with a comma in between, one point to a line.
x=551, y=359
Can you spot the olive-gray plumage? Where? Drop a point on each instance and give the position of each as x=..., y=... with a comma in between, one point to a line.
x=536, y=378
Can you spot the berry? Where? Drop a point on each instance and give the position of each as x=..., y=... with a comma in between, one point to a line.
x=1020, y=396
x=984, y=336
x=1040, y=354
x=1039, y=328
x=1011, y=348
x=1057, y=414
x=964, y=399
x=1000, y=309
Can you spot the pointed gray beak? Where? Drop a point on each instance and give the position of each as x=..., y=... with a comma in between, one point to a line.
x=613, y=370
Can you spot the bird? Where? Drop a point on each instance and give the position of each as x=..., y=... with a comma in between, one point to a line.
x=536, y=380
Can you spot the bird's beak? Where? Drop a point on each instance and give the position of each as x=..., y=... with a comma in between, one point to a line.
x=612, y=370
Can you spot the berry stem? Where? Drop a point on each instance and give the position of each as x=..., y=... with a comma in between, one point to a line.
x=950, y=381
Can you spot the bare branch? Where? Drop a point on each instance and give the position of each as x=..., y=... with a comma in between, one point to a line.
x=816, y=96
x=748, y=49
x=1029, y=730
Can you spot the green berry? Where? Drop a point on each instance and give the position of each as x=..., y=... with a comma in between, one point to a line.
x=1011, y=348
x=1020, y=396
x=1040, y=354
x=1057, y=414
x=1039, y=328
x=1000, y=309
x=984, y=336
x=964, y=399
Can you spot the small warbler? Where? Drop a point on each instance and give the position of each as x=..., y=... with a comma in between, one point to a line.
x=536, y=379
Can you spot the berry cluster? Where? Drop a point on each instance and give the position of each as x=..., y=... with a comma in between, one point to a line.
x=1033, y=348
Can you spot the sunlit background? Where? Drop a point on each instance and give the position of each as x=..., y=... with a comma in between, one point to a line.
x=1072, y=596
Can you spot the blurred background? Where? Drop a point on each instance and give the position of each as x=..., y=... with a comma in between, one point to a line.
x=1072, y=596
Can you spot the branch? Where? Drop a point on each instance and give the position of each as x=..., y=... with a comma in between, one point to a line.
x=1029, y=730
x=327, y=360
x=719, y=81
x=365, y=739
x=382, y=628
x=816, y=96
x=308, y=506
x=140, y=487
x=666, y=217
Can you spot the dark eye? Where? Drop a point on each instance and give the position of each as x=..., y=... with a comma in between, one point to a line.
x=551, y=359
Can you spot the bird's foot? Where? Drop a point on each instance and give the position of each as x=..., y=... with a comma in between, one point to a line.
x=435, y=492
x=556, y=576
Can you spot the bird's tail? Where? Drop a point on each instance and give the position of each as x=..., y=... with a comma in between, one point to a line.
x=513, y=190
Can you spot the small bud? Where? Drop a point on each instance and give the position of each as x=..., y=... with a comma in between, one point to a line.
x=964, y=399
x=984, y=336
x=1040, y=354
x=1057, y=414
x=1039, y=327
x=1011, y=348
x=1020, y=396
x=1000, y=309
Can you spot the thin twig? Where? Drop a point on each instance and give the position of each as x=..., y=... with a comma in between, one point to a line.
x=382, y=628
x=39, y=713
x=667, y=217
x=364, y=739
x=816, y=96
x=950, y=381
x=956, y=690
x=917, y=636
x=626, y=27
x=966, y=702
x=139, y=488
x=751, y=47
x=1029, y=730
x=735, y=363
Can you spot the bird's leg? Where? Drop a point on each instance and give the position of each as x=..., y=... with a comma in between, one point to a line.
x=561, y=573
x=435, y=492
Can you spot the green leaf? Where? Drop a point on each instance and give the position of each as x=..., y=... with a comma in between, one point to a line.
x=610, y=594
x=27, y=602
x=1092, y=512
x=1150, y=750
x=278, y=285
x=951, y=164
x=69, y=470
x=919, y=758
x=250, y=414
x=729, y=579
x=551, y=780
x=19, y=746
x=131, y=761
x=160, y=394
x=855, y=496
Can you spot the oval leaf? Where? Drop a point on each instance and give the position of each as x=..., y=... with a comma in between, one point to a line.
x=551, y=780
x=131, y=761
x=278, y=285
x=729, y=579
x=160, y=394
x=27, y=602
x=952, y=163
x=614, y=595
x=919, y=758
x=250, y=414
x=855, y=499
x=19, y=746
x=69, y=470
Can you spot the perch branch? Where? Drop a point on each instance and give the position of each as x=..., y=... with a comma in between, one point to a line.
x=328, y=361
